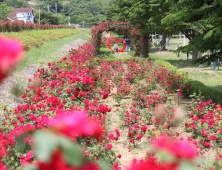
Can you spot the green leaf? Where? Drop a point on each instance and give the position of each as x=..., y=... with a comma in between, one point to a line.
x=71, y=152
x=29, y=167
x=45, y=144
x=104, y=165
x=20, y=142
x=165, y=156
x=184, y=165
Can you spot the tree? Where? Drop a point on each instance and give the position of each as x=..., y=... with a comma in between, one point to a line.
x=145, y=15
x=46, y=18
x=17, y=3
x=44, y=5
x=134, y=12
x=66, y=9
x=190, y=18
x=157, y=11
x=4, y=11
x=63, y=20
x=81, y=8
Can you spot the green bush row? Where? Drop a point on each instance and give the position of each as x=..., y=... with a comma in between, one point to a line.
x=196, y=86
x=122, y=59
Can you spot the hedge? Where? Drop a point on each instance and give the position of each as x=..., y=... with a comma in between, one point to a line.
x=16, y=26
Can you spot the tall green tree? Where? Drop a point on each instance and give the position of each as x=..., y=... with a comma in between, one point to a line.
x=46, y=18
x=63, y=20
x=135, y=12
x=17, y=3
x=158, y=9
x=199, y=21
x=44, y=5
x=4, y=11
x=145, y=15
x=90, y=11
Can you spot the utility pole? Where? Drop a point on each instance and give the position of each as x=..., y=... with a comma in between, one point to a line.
x=56, y=8
x=48, y=7
x=69, y=21
x=178, y=45
x=39, y=15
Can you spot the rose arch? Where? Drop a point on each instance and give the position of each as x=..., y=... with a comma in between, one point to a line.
x=138, y=41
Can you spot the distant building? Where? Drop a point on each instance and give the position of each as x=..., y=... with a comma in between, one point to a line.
x=24, y=14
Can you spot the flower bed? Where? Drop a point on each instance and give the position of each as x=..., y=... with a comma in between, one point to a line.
x=65, y=122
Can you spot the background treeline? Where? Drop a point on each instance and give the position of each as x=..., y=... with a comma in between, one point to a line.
x=200, y=21
x=74, y=11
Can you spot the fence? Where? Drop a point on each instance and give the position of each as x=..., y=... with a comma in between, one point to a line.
x=85, y=25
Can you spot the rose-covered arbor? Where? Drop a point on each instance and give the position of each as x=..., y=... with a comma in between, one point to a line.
x=138, y=41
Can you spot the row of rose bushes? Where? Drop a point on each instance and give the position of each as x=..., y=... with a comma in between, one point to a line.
x=16, y=26
x=168, y=81
x=75, y=83
x=205, y=121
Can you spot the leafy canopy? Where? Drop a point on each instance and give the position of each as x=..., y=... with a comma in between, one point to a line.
x=4, y=11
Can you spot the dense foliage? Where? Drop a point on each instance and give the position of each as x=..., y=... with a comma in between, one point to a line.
x=4, y=11
x=145, y=15
x=199, y=21
x=50, y=18
x=89, y=11
x=15, y=3
x=203, y=20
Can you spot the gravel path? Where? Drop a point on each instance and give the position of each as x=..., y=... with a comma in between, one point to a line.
x=19, y=80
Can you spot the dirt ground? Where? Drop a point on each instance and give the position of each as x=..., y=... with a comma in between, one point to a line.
x=19, y=79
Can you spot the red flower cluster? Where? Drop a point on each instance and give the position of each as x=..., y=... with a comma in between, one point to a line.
x=75, y=124
x=206, y=124
x=179, y=149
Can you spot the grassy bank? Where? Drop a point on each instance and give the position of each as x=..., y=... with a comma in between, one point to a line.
x=46, y=52
x=205, y=75
x=36, y=38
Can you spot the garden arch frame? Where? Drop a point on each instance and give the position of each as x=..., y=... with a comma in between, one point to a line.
x=138, y=41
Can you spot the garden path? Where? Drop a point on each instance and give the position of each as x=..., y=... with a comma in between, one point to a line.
x=121, y=146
